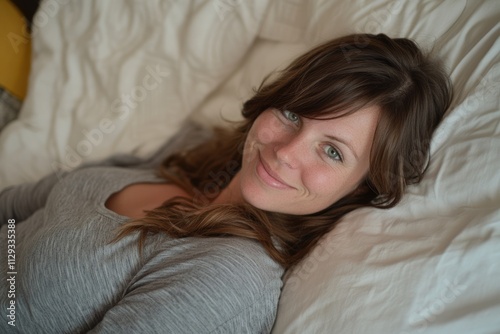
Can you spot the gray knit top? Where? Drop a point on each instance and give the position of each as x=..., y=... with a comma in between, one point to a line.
x=67, y=278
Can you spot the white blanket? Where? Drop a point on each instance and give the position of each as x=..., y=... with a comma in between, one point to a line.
x=121, y=77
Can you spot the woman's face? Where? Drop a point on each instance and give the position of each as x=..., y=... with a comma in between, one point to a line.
x=300, y=166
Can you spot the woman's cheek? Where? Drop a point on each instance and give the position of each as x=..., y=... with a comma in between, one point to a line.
x=322, y=182
x=265, y=134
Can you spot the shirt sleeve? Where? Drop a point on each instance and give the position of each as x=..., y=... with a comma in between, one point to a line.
x=21, y=201
x=215, y=292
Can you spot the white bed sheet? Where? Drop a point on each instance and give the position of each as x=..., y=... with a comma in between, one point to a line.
x=429, y=265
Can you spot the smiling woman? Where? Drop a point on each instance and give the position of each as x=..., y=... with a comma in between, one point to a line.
x=346, y=125
x=301, y=166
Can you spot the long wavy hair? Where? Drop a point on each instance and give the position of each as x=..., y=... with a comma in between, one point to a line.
x=334, y=79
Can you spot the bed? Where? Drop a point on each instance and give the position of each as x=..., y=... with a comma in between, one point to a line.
x=122, y=77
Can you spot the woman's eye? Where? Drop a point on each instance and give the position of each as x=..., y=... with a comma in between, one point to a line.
x=332, y=153
x=291, y=116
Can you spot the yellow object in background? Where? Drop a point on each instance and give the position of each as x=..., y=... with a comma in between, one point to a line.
x=15, y=50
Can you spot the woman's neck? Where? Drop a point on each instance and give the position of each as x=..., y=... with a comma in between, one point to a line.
x=231, y=193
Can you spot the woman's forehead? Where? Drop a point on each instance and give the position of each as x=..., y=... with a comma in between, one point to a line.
x=335, y=112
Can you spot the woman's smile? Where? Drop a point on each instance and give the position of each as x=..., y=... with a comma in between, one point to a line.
x=268, y=176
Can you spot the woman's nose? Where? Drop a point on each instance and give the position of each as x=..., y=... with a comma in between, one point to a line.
x=292, y=152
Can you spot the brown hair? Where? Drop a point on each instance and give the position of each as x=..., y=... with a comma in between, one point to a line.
x=332, y=80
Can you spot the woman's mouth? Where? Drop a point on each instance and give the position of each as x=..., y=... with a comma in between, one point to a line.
x=268, y=176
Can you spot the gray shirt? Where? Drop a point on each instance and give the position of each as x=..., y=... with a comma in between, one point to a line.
x=70, y=279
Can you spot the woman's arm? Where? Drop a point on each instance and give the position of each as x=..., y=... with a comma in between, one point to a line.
x=21, y=201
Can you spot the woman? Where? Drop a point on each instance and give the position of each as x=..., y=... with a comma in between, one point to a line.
x=345, y=126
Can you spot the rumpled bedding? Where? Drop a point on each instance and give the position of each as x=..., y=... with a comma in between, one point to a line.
x=124, y=76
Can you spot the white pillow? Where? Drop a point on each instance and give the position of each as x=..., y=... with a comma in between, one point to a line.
x=115, y=76
x=429, y=265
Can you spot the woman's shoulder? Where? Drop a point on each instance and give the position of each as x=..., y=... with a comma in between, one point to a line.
x=225, y=263
x=237, y=255
x=231, y=281
x=201, y=285
x=246, y=255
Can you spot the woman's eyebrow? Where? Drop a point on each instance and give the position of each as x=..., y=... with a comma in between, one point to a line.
x=345, y=142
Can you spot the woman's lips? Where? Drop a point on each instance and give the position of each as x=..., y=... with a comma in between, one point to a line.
x=269, y=177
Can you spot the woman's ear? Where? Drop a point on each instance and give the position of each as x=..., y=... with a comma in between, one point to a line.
x=363, y=187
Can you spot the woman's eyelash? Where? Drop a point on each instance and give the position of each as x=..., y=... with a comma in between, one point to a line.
x=329, y=150
x=291, y=116
x=333, y=153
